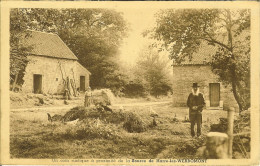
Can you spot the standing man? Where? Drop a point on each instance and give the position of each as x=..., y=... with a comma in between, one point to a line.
x=195, y=103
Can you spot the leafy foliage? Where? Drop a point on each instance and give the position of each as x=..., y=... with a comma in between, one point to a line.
x=152, y=69
x=135, y=89
x=182, y=31
x=150, y=75
x=18, y=52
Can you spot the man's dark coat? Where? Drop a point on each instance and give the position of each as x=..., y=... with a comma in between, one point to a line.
x=195, y=100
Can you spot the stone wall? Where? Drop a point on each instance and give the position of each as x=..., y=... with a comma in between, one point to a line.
x=184, y=76
x=52, y=79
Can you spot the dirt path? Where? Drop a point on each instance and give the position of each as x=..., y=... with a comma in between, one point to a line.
x=67, y=107
x=143, y=103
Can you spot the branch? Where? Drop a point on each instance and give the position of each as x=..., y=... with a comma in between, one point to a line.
x=211, y=39
x=222, y=19
x=215, y=41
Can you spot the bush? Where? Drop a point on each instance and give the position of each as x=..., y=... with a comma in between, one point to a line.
x=134, y=123
x=161, y=89
x=134, y=90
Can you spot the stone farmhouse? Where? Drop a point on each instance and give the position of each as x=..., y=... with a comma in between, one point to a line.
x=52, y=66
x=198, y=70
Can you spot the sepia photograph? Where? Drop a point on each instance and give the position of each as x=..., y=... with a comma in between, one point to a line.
x=130, y=85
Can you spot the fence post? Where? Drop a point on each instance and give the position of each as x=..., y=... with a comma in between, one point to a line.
x=85, y=100
x=216, y=145
x=230, y=130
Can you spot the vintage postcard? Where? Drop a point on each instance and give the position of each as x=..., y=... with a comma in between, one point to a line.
x=130, y=83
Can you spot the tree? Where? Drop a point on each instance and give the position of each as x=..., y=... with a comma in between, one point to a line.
x=152, y=71
x=96, y=44
x=182, y=31
x=94, y=35
x=18, y=52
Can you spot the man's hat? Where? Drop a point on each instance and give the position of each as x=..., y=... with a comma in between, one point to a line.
x=195, y=85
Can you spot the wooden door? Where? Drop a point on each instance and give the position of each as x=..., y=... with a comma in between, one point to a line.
x=37, y=83
x=214, y=94
x=82, y=84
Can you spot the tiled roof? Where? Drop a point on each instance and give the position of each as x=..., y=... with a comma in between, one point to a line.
x=205, y=52
x=201, y=56
x=48, y=44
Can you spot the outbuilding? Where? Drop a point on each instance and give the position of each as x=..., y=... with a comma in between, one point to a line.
x=198, y=69
x=52, y=66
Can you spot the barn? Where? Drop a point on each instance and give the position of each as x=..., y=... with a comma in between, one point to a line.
x=52, y=66
x=217, y=95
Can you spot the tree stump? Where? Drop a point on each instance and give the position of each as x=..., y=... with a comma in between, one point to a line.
x=217, y=145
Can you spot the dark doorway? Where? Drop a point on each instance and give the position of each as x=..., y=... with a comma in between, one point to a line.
x=214, y=94
x=37, y=83
x=82, y=84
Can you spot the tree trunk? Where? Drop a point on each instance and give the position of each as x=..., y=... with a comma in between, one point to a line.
x=234, y=79
x=15, y=80
x=237, y=98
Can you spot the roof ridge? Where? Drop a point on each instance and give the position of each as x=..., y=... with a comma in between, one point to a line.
x=67, y=46
x=49, y=33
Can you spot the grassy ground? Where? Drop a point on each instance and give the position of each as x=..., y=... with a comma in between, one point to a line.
x=32, y=136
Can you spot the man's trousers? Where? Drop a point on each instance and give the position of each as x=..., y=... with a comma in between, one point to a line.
x=195, y=118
